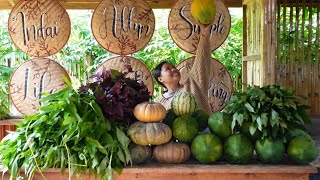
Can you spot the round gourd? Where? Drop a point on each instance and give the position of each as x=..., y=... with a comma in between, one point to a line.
x=140, y=154
x=149, y=133
x=172, y=153
x=203, y=10
x=184, y=103
x=149, y=112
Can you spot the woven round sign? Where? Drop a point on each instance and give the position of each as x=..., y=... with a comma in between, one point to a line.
x=221, y=86
x=134, y=68
x=39, y=27
x=185, y=30
x=123, y=27
x=31, y=79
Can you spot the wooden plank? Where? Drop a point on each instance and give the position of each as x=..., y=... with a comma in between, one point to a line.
x=197, y=171
x=252, y=58
x=10, y=122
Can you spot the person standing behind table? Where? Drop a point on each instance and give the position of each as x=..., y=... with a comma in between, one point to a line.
x=198, y=80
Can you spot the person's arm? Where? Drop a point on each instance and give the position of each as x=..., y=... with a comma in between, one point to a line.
x=201, y=70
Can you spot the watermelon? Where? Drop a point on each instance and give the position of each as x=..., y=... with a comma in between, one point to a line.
x=202, y=117
x=270, y=150
x=302, y=150
x=185, y=128
x=238, y=149
x=184, y=103
x=220, y=124
x=207, y=148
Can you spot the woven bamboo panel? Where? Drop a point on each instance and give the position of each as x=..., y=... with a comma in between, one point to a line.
x=123, y=27
x=39, y=27
x=134, y=69
x=185, y=32
x=221, y=85
x=31, y=79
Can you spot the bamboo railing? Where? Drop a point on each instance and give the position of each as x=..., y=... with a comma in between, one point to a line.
x=297, y=50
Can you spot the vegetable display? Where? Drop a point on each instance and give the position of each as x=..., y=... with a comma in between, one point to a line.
x=70, y=132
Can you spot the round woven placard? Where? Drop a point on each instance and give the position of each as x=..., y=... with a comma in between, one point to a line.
x=31, y=79
x=134, y=68
x=39, y=27
x=184, y=29
x=123, y=27
x=221, y=86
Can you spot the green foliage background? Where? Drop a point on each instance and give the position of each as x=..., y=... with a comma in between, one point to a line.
x=82, y=54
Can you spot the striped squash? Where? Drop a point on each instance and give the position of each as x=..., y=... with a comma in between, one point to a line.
x=184, y=103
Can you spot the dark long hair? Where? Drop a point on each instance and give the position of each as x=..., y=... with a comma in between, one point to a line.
x=157, y=72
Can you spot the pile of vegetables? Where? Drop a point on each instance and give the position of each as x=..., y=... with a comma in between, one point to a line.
x=270, y=111
x=72, y=130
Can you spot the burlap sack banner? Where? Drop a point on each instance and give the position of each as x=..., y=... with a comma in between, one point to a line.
x=134, y=68
x=123, y=27
x=31, y=79
x=39, y=27
x=221, y=86
x=184, y=30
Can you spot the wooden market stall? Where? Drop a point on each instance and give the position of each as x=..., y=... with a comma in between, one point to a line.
x=266, y=60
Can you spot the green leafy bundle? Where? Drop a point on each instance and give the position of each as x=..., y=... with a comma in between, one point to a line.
x=68, y=131
x=271, y=110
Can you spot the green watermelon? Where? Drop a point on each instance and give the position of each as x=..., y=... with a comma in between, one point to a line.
x=207, y=148
x=302, y=150
x=184, y=103
x=169, y=118
x=220, y=124
x=185, y=128
x=238, y=149
x=201, y=116
x=270, y=150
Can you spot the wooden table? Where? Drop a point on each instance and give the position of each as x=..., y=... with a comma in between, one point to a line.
x=199, y=172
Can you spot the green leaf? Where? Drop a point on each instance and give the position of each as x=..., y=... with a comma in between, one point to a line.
x=98, y=111
x=249, y=107
x=123, y=139
x=68, y=120
x=259, y=122
x=274, y=118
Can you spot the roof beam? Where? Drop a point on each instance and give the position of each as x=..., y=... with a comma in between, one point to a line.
x=92, y=4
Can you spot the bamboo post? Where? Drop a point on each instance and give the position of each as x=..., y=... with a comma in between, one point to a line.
x=310, y=78
x=317, y=66
x=278, y=77
x=291, y=55
x=297, y=60
x=284, y=45
x=245, y=49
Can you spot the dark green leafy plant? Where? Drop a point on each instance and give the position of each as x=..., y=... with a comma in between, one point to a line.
x=270, y=110
x=116, y=94
x=68, y=131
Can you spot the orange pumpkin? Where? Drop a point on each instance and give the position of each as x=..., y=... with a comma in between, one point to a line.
x=172, y=152
x=149, y=112
x=204, y=10
x=149, y=133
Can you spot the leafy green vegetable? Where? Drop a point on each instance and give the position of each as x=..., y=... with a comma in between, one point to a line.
x=270, y=110
x=68, y=131
x=117, y=95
